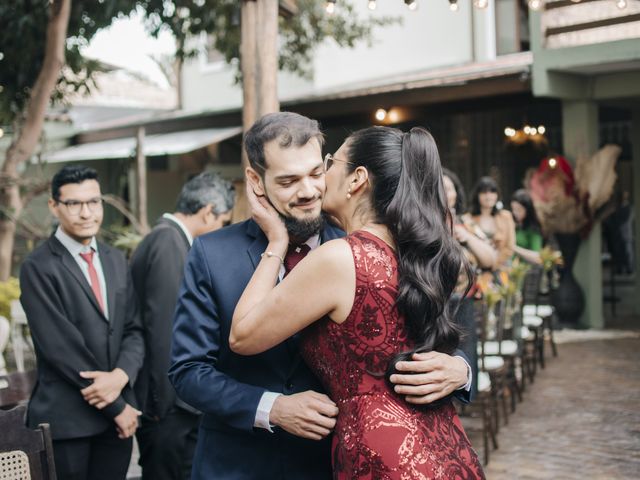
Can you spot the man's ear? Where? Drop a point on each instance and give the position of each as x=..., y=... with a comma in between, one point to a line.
x=255, y=180
x=52, y=207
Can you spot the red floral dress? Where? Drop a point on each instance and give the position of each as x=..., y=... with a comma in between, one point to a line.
x=378, y=435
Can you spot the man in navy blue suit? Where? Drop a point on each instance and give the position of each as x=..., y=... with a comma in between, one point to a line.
x=264, y=415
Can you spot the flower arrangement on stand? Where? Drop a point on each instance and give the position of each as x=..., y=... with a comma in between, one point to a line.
x=568, y=203
x=550, y=259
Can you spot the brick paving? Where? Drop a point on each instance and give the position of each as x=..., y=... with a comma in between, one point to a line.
x=579, y=420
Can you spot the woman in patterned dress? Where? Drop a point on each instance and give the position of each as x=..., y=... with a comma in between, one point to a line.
x=381, y=294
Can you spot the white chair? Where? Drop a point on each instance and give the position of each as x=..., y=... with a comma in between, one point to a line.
x=18, y=340
x=5, y=329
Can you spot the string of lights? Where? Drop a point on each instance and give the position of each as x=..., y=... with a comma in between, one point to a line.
x=535, y=5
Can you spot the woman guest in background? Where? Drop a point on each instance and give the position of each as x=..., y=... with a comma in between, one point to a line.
x=480, y=254
x=497, y=224
x=382, y=293
x=528, y=232
x=477, y=249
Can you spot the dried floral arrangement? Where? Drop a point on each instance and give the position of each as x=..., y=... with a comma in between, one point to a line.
x=568, y=200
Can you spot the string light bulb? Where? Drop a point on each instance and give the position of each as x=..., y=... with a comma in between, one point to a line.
x=412, y=4
x=541, y=129
x=509, y=132
x=553, y=163
x=453, y=5
x=381, y=114
x=621, y=4
x=481, y=4
x=372, y=4
x=535, y=5
x=330, y=6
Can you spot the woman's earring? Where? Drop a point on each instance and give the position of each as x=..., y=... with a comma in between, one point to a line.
x=349, y=193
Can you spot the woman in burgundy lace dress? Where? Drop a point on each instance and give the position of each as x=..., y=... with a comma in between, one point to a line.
x=381, y=294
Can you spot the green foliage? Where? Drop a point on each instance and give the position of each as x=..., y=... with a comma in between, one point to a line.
x=23, y=28
x=123, y=238
x=9, y=291
x=299, y=34
x=23, y=25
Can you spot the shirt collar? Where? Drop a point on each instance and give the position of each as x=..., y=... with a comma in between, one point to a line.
x=182, y=226
x=73, y=246
x=314, y=241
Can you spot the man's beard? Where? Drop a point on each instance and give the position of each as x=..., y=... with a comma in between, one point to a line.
x=302, y=229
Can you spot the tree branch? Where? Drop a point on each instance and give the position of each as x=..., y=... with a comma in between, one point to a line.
x=26, y=139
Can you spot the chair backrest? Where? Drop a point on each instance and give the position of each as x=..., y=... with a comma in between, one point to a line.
x=531, y=285
x=25, y=454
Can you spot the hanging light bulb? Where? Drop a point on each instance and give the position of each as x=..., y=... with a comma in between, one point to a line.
x=509, y=132
x=536, y=5
x=372, y=4
x=381, y=114
x=330, y=7
x=481, y=4
x=412, y=4
x=453, y=5
x=621, y=4
x=541, y=129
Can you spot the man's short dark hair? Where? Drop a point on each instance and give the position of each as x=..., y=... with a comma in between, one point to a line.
x=290, y=129
x=208, y=188
x=70, y=174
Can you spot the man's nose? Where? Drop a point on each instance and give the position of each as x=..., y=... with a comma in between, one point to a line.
x=307, y=188
x=85, y=212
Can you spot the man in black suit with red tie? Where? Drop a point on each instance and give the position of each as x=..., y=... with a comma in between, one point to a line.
x=82, y=313
x=169, y=427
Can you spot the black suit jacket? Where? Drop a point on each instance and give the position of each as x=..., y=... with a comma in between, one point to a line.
x=71, y=334
x=157, y=268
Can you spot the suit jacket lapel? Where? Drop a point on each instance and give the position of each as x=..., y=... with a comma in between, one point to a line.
x=259, y=244
x=109, y=270
x=72, y=266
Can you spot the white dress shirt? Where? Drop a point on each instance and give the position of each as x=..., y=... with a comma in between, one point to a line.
x=75, y=248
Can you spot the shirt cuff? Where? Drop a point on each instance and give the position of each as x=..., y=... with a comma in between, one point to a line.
x=264, y=410
x=467, y=386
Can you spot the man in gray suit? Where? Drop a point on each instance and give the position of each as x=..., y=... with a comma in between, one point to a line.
x=169, y=427
x=82, y=313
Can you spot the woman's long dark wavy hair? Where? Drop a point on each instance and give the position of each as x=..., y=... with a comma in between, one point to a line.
x=530, y=221
x=408, y=197
x=485, y=184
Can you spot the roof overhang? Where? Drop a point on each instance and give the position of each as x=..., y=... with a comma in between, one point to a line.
x=174, y=143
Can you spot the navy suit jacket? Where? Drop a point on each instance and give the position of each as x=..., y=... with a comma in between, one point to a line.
x=227, y=387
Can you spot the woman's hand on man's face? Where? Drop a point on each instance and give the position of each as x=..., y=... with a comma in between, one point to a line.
x=266, y=216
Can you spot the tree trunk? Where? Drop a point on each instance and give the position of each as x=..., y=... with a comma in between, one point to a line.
x=267, y=57
x=248, y=66
x=141, y=182
x=259, y=65
x=25, y=139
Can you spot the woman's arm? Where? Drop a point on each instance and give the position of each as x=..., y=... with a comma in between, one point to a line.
x=323, y=283
x=530, y=256
x=483, y=251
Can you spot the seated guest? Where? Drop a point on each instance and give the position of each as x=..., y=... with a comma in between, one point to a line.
x=496, y=224
x=528, y=232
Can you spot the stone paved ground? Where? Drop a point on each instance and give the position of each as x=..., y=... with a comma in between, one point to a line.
x=580, y=420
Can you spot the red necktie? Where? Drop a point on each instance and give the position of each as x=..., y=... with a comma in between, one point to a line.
x=295, y=253
x=93, y=275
